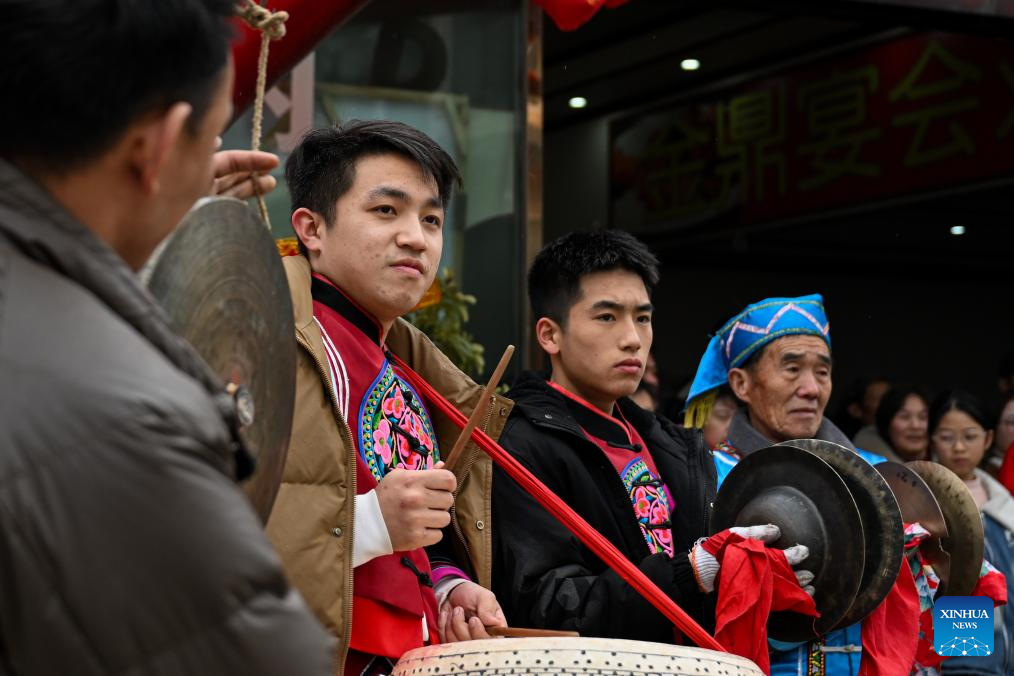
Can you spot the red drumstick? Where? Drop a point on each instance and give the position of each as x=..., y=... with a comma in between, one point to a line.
x=581, y=529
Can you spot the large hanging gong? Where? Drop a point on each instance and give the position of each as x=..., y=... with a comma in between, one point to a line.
x=220, y=279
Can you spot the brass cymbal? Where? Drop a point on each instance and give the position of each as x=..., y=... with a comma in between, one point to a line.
x=809, y=502
x=916, y=500
x=965, y=540
x=884, y=532
x=221, y=281
x=919, y=505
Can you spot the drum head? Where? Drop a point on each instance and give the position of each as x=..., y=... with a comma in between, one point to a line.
x=883, y=530
x=221, y=281
x=809, y=502
x=558, y=656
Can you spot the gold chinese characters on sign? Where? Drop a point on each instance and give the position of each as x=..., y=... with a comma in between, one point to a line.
x=910, y=114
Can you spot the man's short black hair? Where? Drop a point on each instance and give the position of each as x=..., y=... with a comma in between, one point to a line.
x=554, y=281
x=78, y=73
x=322, y=168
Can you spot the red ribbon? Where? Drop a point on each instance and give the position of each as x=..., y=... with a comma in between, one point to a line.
x=891, y=632
x=581, y=529
x=755, y=580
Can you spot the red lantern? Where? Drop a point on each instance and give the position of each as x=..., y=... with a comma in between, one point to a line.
x=569, y=15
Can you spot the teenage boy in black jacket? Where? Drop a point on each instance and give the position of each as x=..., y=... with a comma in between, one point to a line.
x=642, y=482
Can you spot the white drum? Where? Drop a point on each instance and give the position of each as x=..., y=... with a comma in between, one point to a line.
x=565, y=656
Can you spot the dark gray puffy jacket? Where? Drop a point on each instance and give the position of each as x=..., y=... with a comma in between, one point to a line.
x=125, y=546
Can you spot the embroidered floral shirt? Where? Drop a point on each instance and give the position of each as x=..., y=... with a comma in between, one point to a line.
x=650, y=498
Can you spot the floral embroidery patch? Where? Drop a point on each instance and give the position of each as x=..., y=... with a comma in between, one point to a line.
x=395, y=430
x=725, y=447
x=652, y=506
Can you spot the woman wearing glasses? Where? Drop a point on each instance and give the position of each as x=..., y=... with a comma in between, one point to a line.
x=959, y=437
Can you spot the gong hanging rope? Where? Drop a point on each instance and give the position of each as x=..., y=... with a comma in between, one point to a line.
x=272, y=27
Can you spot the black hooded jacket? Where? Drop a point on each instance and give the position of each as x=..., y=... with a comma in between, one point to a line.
x=542, y=575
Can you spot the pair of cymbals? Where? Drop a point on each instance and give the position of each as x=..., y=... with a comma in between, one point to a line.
x=828, y=498
x=937, y=499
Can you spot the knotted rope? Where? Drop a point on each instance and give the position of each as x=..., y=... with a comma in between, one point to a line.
x=272, y=27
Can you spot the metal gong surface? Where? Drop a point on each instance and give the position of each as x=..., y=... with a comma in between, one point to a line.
x=916, y=500
x=964, y=541
x=220, y=279
x=809, y=502
x=883, y=528
x=919, y=505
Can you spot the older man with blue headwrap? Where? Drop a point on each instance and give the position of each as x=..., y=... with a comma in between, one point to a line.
x=775, y=356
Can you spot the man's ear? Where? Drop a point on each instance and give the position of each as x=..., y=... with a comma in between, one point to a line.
x=740, y=384
x=152, y=141
x=855, y=410
x=309, y=226
x=548, y=334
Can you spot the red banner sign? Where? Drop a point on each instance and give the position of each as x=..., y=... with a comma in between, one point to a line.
x=925, y=112
x=994, y=7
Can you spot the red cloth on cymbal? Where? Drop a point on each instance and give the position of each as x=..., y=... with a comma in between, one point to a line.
x=891, y=631
x=992, y=583
x=753, y=581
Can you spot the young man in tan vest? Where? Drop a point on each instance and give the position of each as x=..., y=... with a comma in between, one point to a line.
x=365, y=500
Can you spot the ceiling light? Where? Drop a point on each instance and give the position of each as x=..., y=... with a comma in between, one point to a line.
x=690, y=64
x=577, y=102
x=957, y=230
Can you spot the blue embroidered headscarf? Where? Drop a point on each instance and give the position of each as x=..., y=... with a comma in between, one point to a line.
x=744, y=334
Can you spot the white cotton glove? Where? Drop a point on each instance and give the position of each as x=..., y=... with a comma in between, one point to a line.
x=804, y=578
x=706, y=566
